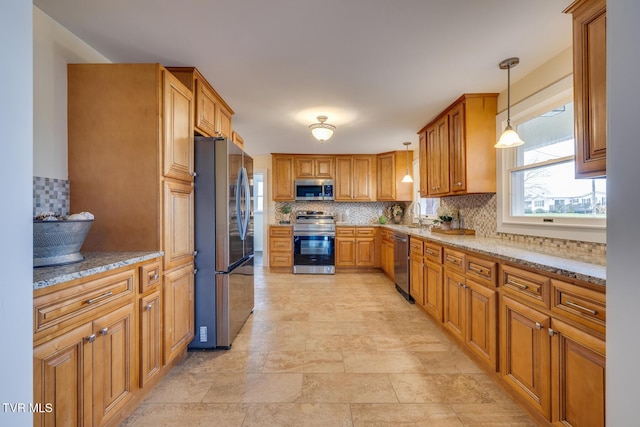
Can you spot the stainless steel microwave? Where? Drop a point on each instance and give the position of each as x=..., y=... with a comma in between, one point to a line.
x=314, y=189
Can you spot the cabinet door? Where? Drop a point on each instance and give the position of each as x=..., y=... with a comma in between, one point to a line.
x=589, y=85
x=177, y=301
x=454, y=309
x=178, y=241
x=365, y=252
x=363, y=178
x=525, y=348
x=206, y=103
x=578, y=377
x=343, y=190
x=323, y=167
x=438, y=155
x=433, y=289
x=457, y=149
x=304, y=167
x=178, y=129
x=150, y=337
x=481, y=329
x=386, y=167
x=224, y=121
x=422, y=147
x=114, y=370
x=416, y=278
x=62, y=377
x=282, y=178
x=345, y=252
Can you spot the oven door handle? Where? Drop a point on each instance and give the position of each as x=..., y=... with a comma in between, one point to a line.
x=313, y=233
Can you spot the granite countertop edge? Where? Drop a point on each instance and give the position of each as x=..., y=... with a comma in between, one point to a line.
x=94, y=263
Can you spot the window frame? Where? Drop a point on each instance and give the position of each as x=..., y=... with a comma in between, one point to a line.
x=581, y=229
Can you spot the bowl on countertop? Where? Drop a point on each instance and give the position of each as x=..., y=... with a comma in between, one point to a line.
x=59, y=242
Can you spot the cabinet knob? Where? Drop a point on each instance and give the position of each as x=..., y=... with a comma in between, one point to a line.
x=459, y=184
x=149, y=307
x=155, y=276
x=551, y=332
x=104, y=331
x=194, y=174
x=538, y=326
x=91, y=338
x=195, y=253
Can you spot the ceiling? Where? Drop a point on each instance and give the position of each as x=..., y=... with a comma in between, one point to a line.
x=379, y=69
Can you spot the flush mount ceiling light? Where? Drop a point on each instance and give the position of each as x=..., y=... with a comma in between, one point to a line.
x=509, y=137
x=407, y=177
x=322, y=131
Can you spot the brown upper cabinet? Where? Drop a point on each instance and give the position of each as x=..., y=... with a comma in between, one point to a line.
x=237, y=139
x=457, y=148
x=309, y=167
x=589, y=86
x=355, y=178
x=282, y=166
x=212, y=115
x=392, y=167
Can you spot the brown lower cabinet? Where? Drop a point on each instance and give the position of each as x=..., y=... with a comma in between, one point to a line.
x=355, y=247
x=544, y=338
x=98, y=341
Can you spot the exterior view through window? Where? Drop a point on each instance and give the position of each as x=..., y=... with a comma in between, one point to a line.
x=543, y=180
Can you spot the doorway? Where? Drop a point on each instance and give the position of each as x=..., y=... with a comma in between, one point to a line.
x=259, y=215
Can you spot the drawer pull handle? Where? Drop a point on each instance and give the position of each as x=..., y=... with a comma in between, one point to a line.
x=105, y=295
x=91, y=338
x=579, y=307
x=517, y=285
x=104, y=331
x=477, y=269
x=430, y=252
x=453, y=260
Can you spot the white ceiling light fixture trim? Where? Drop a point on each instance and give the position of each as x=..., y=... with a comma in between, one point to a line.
x=509, y=137
x=407, y=177
x=322, y=131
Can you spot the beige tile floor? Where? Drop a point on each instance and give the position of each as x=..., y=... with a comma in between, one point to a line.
x=343, y=350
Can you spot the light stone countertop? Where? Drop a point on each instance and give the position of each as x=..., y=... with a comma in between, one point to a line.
x=94, y=263
x=517, y=253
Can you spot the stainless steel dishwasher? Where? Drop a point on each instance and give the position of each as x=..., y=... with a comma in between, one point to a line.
x=401, y=264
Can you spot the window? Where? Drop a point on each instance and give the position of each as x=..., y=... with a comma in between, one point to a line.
x=539, y=193
x=259, y=195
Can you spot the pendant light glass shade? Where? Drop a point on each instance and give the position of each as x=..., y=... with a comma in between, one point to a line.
x=322, y=131
x=509, y=137
x=407, y=178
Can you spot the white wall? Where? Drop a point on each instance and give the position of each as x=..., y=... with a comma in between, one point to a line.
x=623, y=230
x=53, y=48
x=16, y=143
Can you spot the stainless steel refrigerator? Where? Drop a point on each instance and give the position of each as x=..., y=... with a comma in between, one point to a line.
x=223, y=241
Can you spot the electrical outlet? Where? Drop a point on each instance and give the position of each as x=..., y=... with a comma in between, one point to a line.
x=203, y=334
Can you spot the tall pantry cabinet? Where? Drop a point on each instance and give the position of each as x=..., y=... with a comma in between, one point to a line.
x=131, y=164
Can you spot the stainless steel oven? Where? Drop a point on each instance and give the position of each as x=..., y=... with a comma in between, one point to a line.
x=314, y=235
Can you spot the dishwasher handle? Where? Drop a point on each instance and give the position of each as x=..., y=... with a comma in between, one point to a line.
x=400, y=238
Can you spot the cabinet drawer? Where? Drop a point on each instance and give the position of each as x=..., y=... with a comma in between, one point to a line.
x=281, y=245
x=280, y=232
x=345, y=232
x=150, y=275
x=454, y=259
x=483, y=270
x=527, y=285
x=365, y=232
x=281, y=259
x=416, y=246
x=76, y=303
x=582, y=305
x=433, y=252
x=387, y=235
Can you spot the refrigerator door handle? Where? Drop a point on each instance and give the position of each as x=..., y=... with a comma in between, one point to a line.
x=239, y=218
x=247, y=201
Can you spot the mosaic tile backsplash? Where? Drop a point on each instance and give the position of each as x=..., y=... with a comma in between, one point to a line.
x=479, y=213
x=51, y=195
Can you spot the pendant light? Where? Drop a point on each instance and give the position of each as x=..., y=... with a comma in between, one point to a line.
x=509, y=137
x=407, y=178
x=322, y=131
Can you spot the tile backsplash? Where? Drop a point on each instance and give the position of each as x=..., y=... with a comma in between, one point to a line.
x=51, y=195
x=479, y=213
